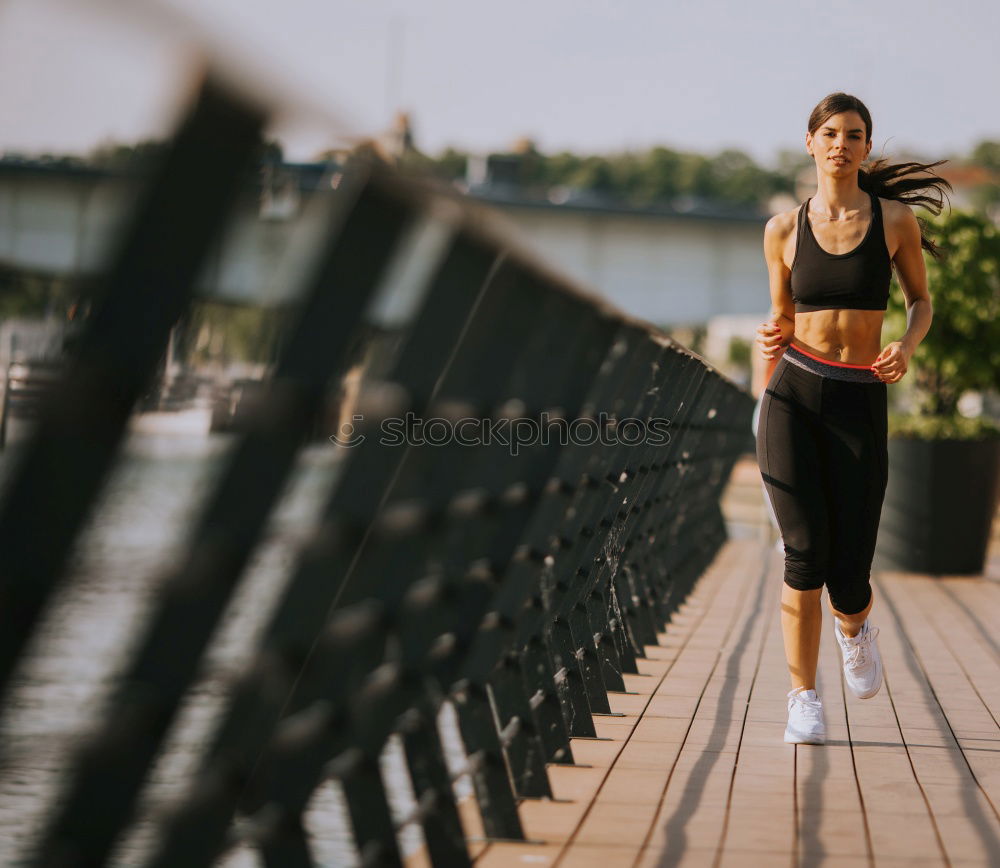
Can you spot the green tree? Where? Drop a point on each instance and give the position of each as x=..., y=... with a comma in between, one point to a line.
x=116, y=156
x=695, y=176
x=452, y=163
x=737, y=178
x=987, y=154
x=788, y=165
x=740, y=351
x=595, y=174
x=627, y=175
x=560, y=168
x=659, y=174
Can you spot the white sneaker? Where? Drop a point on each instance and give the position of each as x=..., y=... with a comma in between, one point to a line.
x=805, y=718
x=862, y=663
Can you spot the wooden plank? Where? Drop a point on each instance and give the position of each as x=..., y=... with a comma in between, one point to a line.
x=764, y=782
x=559, y=826
x=830, y=814
x=891, y=792
x=506, y=853
x=965, y=613
x=954, y=691
x=468, y=813
x=700, y=857
x=695, y=807
x=580, y=855
x=627, y=804
x=939, y=698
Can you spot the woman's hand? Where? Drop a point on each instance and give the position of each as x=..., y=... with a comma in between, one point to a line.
x=770, y=339
x=892, y=362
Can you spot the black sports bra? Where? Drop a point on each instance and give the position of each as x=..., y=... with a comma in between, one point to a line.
x=858, y=279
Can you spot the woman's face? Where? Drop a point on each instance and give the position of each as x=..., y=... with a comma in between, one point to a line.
x=839, y=146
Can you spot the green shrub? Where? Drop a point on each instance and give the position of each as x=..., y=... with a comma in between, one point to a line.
x=961, y=352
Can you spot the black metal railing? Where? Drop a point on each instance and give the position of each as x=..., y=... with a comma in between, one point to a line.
x=514, y=562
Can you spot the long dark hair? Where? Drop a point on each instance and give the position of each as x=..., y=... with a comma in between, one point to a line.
x=912, y=183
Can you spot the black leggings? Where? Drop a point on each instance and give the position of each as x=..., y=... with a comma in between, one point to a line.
x=823, y=456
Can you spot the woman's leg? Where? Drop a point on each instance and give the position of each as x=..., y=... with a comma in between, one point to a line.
x=801, y=626
x=779, y=545
x=857, y=473
x=851, y=624
x=789, y=457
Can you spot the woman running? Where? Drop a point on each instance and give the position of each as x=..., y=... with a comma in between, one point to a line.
x=821, y=431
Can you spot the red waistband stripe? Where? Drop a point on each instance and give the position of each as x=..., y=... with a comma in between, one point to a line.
x=826, y=361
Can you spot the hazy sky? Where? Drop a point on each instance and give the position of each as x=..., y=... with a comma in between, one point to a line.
x=570, y=74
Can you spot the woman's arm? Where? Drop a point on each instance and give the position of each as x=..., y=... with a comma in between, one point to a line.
x=775, y=334
x=894, y=360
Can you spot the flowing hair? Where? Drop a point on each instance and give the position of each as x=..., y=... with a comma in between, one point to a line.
x=911, y=183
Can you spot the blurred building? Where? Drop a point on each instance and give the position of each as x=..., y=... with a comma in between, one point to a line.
x=678, y=263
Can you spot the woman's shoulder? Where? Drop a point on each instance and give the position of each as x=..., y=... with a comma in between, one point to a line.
x=894, y=211
x=781, y=225
x=899, y=219
x=902, y=230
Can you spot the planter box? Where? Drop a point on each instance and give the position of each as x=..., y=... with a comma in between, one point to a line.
x=939, y=505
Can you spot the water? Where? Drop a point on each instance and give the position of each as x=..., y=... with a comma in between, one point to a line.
x=87, y=632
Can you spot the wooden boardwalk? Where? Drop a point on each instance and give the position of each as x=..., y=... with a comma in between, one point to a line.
x=691, y=768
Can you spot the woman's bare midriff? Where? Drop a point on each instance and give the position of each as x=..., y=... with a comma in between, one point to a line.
x=852, y=337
